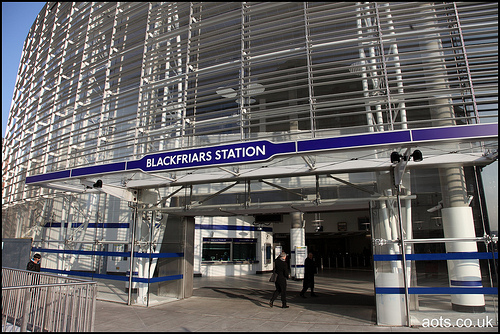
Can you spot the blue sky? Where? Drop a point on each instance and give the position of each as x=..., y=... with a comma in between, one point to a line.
x=17, y=18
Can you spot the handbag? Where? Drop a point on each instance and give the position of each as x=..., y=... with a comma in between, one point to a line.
x=273, y=277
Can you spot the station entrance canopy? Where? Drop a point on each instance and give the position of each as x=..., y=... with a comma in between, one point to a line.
x=211, y=164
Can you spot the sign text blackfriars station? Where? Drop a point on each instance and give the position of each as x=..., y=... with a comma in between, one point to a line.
x=209, y=156
x=222, y=155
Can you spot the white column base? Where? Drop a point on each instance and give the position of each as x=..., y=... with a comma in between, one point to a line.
x=458, y=223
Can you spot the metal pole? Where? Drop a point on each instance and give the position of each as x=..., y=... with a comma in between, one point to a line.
x=183, y=264
x=131, y=266
x=403, y=254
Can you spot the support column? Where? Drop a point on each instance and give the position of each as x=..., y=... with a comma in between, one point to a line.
x=297, y=238
x=188, y=261
x=63, y=233
x=391, y=307
x=456, y=214
x=141, y=265
x=458, y=222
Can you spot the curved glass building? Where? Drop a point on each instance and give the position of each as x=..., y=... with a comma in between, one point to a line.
x=188, y=138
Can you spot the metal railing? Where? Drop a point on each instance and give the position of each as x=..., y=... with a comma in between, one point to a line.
x=36, y=302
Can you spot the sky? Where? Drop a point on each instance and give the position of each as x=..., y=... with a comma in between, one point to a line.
x=17, y=19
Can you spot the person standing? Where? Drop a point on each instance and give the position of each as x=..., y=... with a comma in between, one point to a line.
x=281, y=268
x=34, y=264
x=309, y=272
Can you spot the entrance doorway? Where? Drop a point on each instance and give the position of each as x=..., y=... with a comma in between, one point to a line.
x=335, y=250
x=344, y=259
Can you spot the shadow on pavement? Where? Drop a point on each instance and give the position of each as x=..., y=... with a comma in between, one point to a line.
x=354, y=305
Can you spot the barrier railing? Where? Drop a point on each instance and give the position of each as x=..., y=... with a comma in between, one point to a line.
x=37, y=302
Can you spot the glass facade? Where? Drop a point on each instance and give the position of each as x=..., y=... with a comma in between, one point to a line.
x=111, y=82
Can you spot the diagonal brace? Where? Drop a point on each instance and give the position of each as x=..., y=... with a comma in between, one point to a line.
x=283, y=188
x=219, y=192
x=371, y=192
x=164, y=199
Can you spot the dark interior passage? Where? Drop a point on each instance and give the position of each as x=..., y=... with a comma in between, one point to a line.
x=340, y=250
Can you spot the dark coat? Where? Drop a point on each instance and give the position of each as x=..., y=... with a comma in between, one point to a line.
x=281, y=268
x=32, y=266
x=309, y=267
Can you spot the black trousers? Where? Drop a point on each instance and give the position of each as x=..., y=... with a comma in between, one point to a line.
x=308, y=283
x=280, y=289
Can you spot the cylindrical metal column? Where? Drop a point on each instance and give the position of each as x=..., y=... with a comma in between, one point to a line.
x=297, y=238
x=458, y=223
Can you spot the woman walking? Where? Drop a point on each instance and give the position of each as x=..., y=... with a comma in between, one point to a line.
x=281, y=268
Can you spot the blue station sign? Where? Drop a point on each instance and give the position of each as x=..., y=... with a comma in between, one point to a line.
x=209, y=156
x=263, y=150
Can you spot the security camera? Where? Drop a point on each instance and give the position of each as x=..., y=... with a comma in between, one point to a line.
x=469, y=199
x=439, y=206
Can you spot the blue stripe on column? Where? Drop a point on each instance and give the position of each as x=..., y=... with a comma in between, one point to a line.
x=113, y=277
x=437, y=291
x=452, y=256
x=437, y=256
x=387, y=257
x=452, y=291
x=103, y=253
x=465, y=283
x=390, y=291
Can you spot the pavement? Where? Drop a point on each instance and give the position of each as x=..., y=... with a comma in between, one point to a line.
x=240, y=304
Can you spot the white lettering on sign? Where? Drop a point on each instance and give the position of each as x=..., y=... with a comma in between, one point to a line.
x=207, y=156
x=240, y=152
